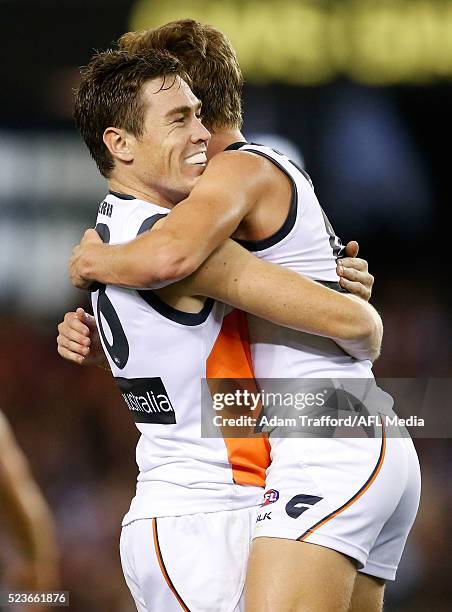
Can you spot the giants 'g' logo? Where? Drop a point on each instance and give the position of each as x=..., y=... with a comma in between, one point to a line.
x=300, y=503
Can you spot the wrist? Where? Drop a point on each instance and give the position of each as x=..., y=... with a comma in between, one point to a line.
x=90, y=267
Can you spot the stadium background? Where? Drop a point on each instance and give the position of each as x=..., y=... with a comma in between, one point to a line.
x=362, y=91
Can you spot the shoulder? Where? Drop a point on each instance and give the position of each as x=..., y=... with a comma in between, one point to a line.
x=243, y=169
x=240, y=159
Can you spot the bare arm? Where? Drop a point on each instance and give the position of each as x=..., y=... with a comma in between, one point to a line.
x=234, y=276
x=231, y=274
x=224, y=195
x=27, y=512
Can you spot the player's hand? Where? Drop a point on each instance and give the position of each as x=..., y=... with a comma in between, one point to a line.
x=78, y=339
x=354, y=274
x=81, y=254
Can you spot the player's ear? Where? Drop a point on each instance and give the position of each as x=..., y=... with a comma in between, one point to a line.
x=117, y=142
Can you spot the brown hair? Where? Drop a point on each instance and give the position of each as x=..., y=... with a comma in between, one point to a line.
x=210, y=60
x=110, y=96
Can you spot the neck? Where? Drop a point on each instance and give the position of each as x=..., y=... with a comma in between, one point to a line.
x=141, y=192
x=222, y=139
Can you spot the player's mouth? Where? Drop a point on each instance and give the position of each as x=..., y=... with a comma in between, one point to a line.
x=197, y=159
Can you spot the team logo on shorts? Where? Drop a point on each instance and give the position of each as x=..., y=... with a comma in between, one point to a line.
x=270, y=497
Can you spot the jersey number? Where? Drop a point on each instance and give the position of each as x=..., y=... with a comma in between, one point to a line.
x=118, y=349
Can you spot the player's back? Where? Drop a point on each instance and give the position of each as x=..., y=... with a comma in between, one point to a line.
x=158, y=355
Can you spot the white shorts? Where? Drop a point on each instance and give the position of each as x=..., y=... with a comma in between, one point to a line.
x=194, y=562
x=357, y=496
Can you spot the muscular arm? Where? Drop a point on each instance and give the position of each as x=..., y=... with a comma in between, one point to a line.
x=225, y=194
x=231, y=274
x=234, y=276
x=26, y=511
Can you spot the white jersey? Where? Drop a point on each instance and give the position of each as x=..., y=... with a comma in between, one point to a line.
x=305, y=243
x=335, y=492
x=158, y=356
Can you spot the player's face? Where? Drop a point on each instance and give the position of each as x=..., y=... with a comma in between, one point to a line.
x=170, y=156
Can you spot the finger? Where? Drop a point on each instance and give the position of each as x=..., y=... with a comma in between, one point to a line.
x=65, y=338
x=87, y=319
x=353, y=262
x=90, y=321
x=73, y=324
x=73, y=345
x=364, y=278
x=352, y=248
x=356, y=275
x=79, y=282
x=70, y=356
x=80, y=314
x=74, y=335
x=69, y=316
x=91, y=235
x=355, y=288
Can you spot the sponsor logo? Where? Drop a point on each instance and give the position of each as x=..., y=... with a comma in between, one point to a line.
x=105, y=209
x=148, y=400
x=270, y=497
x=263, y=517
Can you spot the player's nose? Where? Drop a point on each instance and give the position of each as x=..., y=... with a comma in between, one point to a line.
x=200, y=133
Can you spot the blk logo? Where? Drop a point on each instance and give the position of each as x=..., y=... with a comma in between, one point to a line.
x=300, y=503
x=263, y=517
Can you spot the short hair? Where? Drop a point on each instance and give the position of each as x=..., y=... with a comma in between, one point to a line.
x=209, y=58
x=109, y=95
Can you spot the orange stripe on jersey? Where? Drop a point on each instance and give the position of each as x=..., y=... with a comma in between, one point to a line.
x=231, y=358
x=355, y=497
x=158, y=552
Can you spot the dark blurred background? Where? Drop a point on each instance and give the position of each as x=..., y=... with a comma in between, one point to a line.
x=359, y=90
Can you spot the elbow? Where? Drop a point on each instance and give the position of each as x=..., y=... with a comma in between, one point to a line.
x=364, y=323
x=172, y=266
x=362, y=332
x=377, y=339
x=370, y=334
x=368, y=327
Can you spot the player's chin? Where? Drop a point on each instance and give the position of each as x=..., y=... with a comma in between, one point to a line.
x=191, y=178
x=194, y=170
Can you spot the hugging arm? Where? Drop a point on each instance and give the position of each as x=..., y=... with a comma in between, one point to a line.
x=233, y=275
x=284, y=297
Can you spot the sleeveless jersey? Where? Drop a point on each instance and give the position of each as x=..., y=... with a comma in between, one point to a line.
x=158, y=356
x=331, y=491
x=306, y=243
